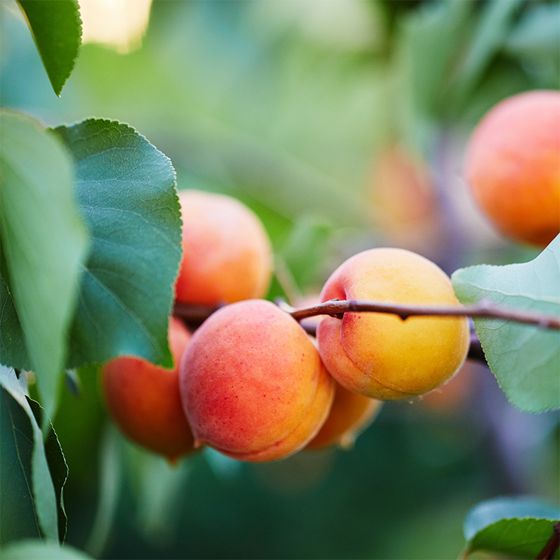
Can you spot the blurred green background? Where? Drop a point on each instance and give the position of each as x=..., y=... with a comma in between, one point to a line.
x=342, y=123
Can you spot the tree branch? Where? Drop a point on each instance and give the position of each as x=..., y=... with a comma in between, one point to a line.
x=195, y=315
x=552, y=545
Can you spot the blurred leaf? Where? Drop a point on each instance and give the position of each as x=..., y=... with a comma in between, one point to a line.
x=524, y=359
x=110, y=479
x=428, y=44
x=126, y=191
x=518, y=527
x=156, y=485
x=222, y=466
x=31, y=464
x=43, y=243
x=536, y=35
x=41, y=550
x=305, y=249
x=488, y=37
x=57, y=30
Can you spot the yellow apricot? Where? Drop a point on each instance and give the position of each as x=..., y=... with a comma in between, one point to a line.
x=379, y=355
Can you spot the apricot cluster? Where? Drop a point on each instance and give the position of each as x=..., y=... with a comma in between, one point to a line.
x=250, y=382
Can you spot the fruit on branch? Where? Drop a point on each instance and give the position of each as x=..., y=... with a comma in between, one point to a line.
x=144, y=399
x=513, y=166
x=252, y=383
x=350, y=415
x=226, y=252
x=380, y=355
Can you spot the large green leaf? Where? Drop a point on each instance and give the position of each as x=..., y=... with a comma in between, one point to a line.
x=126, y=191
x=43, y=243
x=41, y=550
x=517, y=527
x=30, y=498
x=524, y=359
x=57, y=30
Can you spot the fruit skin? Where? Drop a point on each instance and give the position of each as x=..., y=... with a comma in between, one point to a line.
x=144, y=399
x=379, y=355
x=226, y=252
x=513, y=166
x=350, y=415
x=252, y=383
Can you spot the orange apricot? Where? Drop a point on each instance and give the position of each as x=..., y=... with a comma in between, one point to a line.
x=252, y=383
x=144, y=400
x=350, y=415
x=513, y=166
x=226, y=252
x=379, y=355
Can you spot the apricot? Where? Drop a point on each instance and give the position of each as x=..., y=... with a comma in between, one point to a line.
x=252, y=383
x=379, y=355
x=513, y=166
x=144, y=400
x=226, y=252
x=350, y=415
x=403, y=200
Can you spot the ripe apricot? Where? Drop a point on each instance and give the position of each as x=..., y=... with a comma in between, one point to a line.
x=252, y=383
x=226, y=252
x=379, y=355
x=402, y=199
x=350, y=415
x=513, y=166
x=144, y=399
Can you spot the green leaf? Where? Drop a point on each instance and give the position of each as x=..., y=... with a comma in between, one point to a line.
x=43, y=243
x=126, y=191
x=57, y=29
x=525, y=359
x=494, y=25
x=41, y=550
x=518, y=527
x=32, y=464
x=536, y=35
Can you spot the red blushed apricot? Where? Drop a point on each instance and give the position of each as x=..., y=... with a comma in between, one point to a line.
x=513, y=166
x=226, y=252
x=379, y=355
x=252, y=383
x=144, y=399
x=350, y=415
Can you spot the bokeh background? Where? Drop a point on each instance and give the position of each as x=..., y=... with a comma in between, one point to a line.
x=342, y=123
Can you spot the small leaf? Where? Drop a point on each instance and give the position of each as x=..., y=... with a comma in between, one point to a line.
x=518, y=527
x=525, y=359
x=126, y=191
x=41, y=550
x=57, y=30
x=536, y=35
x=43, y=243
x=32, y=458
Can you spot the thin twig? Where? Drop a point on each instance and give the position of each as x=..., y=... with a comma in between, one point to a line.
x=481, y=310
x=552, y=545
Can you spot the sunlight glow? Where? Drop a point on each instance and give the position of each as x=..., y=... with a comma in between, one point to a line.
x=120, y=24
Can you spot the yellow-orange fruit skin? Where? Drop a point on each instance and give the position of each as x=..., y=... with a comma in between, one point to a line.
x=226, y=252
x=379, y=355
x=513, y=166
x=350, y=415
x=144, y=400
x=252, y=383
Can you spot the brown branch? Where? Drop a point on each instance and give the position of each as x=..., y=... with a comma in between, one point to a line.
x=552, y=545
x=481, y=310
x=195, y=315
